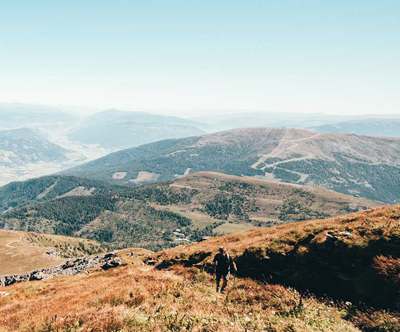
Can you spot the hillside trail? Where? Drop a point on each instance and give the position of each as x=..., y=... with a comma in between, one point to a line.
x=9, y=244
x=285, y=144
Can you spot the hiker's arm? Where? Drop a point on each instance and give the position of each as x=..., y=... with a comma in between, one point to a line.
x=215, y=261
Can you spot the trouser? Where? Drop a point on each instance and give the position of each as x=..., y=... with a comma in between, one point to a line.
x=225, y=275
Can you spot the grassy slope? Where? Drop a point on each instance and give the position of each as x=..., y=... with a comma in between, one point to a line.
x=22, y=252
x=181, y=298
x=141, y=298
x=355, y=255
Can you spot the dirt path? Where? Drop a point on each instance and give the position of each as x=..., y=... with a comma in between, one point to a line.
x=272, y=154
x=285, y=145
x=9, y=244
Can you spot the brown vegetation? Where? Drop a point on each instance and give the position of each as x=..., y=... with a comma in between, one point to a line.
x=140, y=298
x=181, y=297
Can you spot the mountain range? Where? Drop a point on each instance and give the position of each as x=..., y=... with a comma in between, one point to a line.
x=357, y=165
x=129, y=134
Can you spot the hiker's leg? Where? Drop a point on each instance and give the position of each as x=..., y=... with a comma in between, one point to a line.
x=218, y=279
x=225, y=283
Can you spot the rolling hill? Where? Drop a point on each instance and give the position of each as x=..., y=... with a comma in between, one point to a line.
x=357, y=165
x=354, y=257
x=129, y=134
x=170, y=213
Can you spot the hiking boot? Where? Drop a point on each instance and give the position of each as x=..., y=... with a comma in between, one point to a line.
x=223, y=291
x=217, y=289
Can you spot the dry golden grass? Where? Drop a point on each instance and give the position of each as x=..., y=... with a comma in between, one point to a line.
x=141, y=298
x=22, y=252
x=18, y=255
x=379, y=223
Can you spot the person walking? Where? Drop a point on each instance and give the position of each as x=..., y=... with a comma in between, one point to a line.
x=223, y=263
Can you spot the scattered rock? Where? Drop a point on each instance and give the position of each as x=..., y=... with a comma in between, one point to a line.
x=53, y=252
x=114, y=262
x=4, y=294
x=329, y=235
x=71, y=267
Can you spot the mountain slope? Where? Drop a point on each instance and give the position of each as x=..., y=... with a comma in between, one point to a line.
x=19, y=194
x=357, y=165
x=353, y=257
x=130, y=134
x=23, y=146
x=178, y=294
x=198, y=205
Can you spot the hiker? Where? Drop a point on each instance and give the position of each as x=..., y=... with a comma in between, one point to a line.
x=223, y=263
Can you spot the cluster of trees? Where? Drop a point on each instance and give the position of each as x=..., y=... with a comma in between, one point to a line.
x=67, y=214
x=20, y=194
x=162, y=194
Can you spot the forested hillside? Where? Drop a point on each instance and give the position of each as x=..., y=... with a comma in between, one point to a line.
x=184, y=210
x=19, y=194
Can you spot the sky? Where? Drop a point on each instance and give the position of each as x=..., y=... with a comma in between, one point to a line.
x=188, y=57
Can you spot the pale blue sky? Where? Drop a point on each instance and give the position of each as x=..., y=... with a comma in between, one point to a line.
x=183, y=56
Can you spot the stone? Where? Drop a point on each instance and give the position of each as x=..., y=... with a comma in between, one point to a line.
x=71, y=267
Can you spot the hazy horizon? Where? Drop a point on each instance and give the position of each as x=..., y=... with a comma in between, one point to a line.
x=86, y=111
x=178, y=57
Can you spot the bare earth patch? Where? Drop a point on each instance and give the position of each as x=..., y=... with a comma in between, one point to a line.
x=119, y=175
x=145, y=177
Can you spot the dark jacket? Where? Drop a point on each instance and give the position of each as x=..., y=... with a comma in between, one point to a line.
x=224, y=263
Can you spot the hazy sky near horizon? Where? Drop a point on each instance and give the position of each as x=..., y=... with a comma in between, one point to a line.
x=183, y=56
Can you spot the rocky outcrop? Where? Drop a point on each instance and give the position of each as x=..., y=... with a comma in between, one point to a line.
x=71, y=267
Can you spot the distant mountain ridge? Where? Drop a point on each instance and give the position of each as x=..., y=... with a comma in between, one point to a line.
x=14, y=115
x=21, y=146
x=113, y=116
x=130, y=134
x=351, y=164
x=370, y=127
